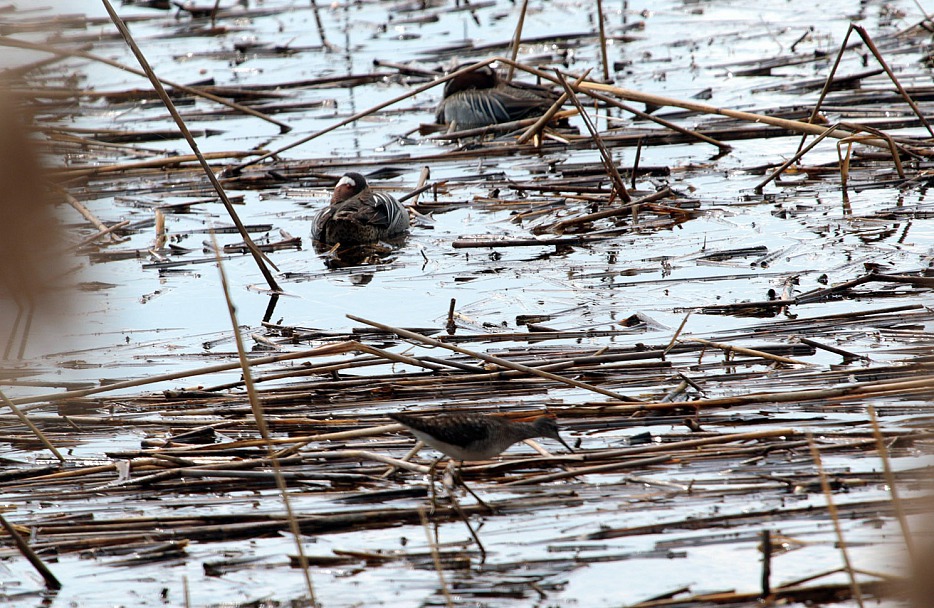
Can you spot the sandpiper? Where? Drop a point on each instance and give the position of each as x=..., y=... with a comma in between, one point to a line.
x=475, y=436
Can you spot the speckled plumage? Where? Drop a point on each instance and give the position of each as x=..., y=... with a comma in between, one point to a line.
x=478, y=99
x=359, y=216
x=475, y=436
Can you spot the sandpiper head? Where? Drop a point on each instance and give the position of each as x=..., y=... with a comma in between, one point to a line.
x=349, y=185
x=483, y=77
x=547, y=427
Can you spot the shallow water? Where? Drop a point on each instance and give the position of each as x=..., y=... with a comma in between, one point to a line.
x=150, y=322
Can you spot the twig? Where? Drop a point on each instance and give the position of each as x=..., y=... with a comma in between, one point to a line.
x=435, y=557
x=747, y=351
x=260, y=417
x=517, y=38
x=605, y=155
x=22, y=44
x=832, y=509
x=411, y=335
x=603, y=55
x=795, y=158
x=50, y=581
x=38, y=433
x=40, y=400
x=258, y=256
x=233, y=170
x=893, y=490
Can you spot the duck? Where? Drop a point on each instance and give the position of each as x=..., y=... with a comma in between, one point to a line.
x=479, y=99
x=359, y=216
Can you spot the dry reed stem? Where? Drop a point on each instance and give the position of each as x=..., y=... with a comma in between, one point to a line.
x=404, y=333
x=84, y=211
x=435, y=557
x=260, y=417
x=844, y=160
x=856, y=390
x=237, y=168
x=302, y=440
x=22, y=44
x=893, y=490
x=560, y=226
x=517, y=38
x=867, y=39
x=501, y=127
x=259, y=257
x=605, y=154
x=659, y=121
x=730, y=348
x=320, y=25
x=792, y=125
x=408, y=456
x=50, y=581
x=794, y=159
x=834, y=516
x=41, y=400
x=598, y=468
x=602, y=29
x=685, y=446
x=373, y=456
x=87, y=241
x=826, y=88
x=545, y=118
x=674, y=338
x=154, y=163
x=38, y=433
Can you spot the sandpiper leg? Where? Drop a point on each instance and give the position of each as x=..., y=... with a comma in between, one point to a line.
x=458, y=478
x=460, y=511
x=431, y=484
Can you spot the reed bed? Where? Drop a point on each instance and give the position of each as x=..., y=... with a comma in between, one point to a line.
x=753, y=433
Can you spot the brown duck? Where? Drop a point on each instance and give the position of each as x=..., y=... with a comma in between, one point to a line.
x=479, y=98
x=359, y=216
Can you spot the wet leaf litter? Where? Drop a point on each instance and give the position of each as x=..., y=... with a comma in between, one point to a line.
x=694, y=319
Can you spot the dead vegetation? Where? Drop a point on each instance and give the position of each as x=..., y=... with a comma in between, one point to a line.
x=755, y=433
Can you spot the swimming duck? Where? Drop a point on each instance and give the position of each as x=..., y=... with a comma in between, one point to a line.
x=358, y=216
x=479, y=98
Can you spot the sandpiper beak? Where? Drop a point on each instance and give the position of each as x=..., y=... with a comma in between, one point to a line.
x=558, y=437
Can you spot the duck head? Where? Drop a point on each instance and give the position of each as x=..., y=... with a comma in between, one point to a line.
x=482, y=78
x=351, y=184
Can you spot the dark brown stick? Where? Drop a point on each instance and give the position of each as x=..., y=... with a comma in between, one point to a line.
x=50, y=581
x=258, y=255
x=411, y=335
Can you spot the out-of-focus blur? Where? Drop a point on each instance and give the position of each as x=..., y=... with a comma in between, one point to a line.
x=29, y=234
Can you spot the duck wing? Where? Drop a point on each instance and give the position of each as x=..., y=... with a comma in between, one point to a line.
x=480, y=107
x=389, y=213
